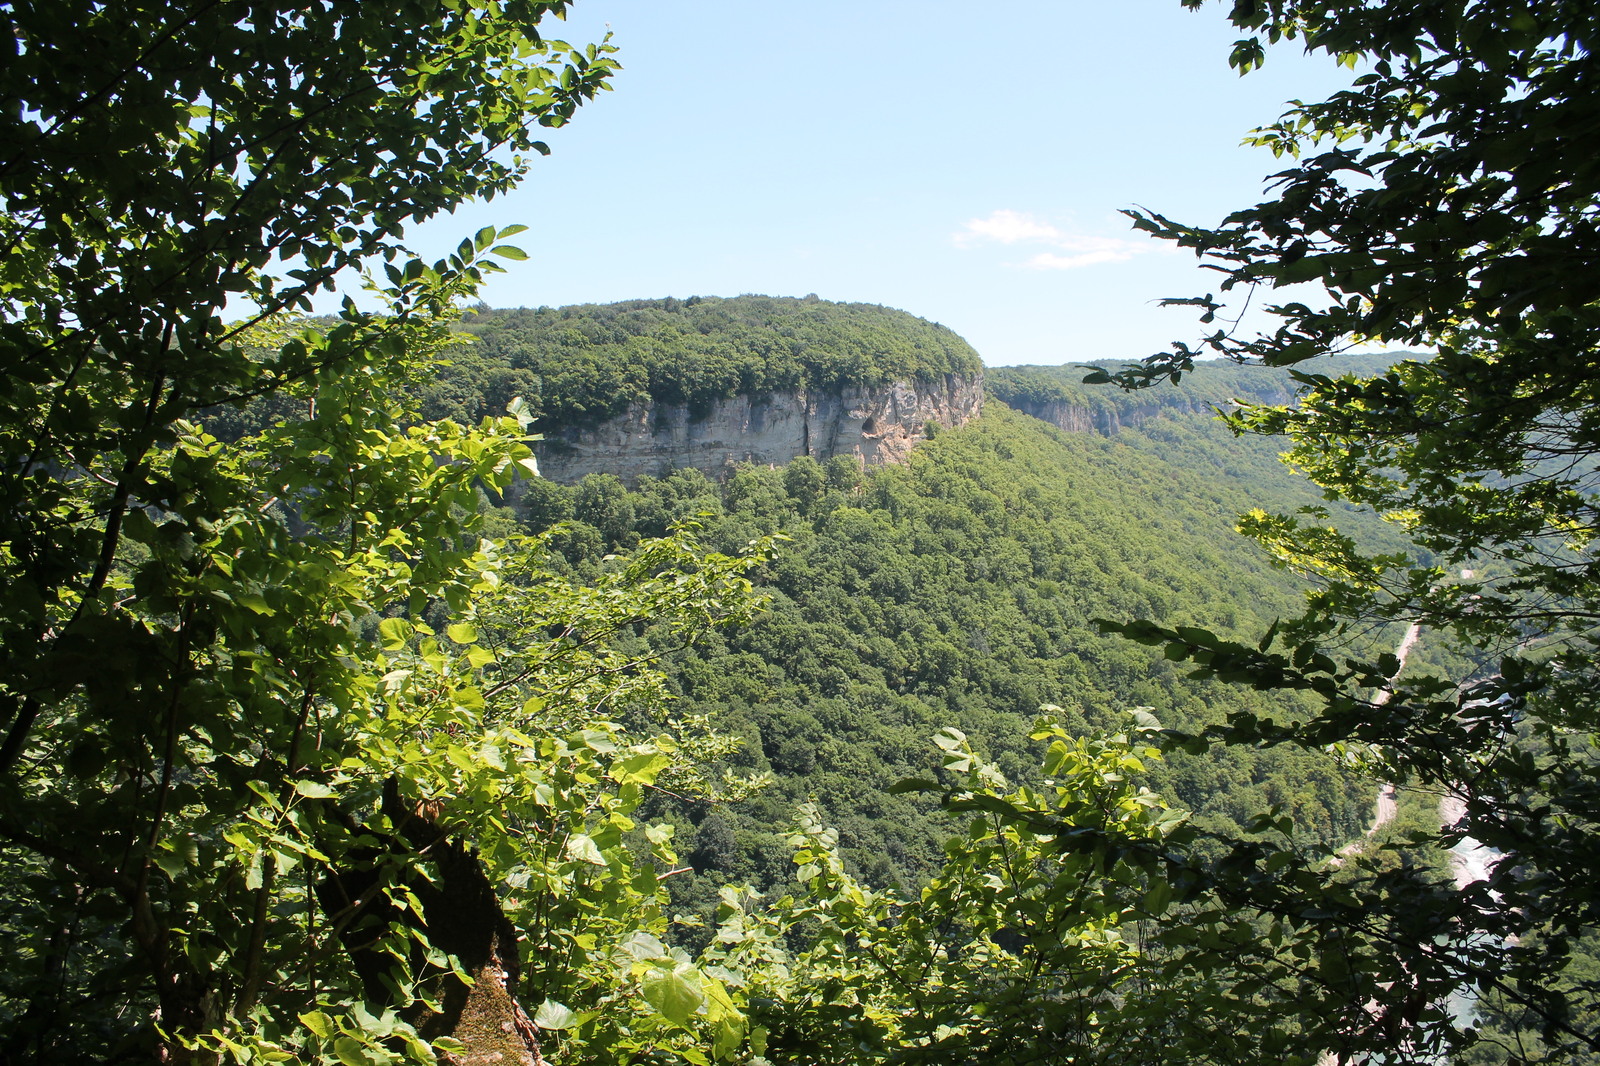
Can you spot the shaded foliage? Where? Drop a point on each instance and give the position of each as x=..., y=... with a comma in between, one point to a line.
x=1442, y=201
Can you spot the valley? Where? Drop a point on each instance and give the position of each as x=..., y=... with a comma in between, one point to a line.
x=956, y=583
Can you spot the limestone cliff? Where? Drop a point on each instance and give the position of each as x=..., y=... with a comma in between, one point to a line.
x=1058, y=396
x=1111, y=418
x=1106, y=420
x=879, y=425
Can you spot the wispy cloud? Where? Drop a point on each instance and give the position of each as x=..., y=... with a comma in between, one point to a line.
x=1007, y=227
x=1014, y=227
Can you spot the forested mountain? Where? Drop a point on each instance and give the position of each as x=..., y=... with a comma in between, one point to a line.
x=958, y=589
x=1044, y=390
x=649, y=386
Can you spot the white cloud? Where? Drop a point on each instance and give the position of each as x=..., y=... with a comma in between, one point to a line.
x=1007, y=227
x=1014, y=227
x=1087, y=252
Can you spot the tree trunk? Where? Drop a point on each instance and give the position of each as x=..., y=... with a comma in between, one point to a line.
x=461, y=916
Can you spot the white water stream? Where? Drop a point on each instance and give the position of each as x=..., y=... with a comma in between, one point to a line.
x=1470, y=861
x=1385, y=806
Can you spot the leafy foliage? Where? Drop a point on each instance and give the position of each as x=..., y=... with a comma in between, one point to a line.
x=1440, y=202
x=591, y=361
x=188, y=660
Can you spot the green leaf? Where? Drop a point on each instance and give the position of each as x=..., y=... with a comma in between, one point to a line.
x=171, y=865
x=582, y=848
x=461, y=633
x=642, y=769
x=395, y=633
x=519, y=410
x=640, y=945
x=674, y=991
x=176, y=855
x=1157, y=898
x=351, y=1052
x=254, y=601
x=509, y=251
x=1144, y=721
x=253, y=877
x=553, y=1015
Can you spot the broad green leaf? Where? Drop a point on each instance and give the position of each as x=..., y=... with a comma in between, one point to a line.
x=582, y=848
x=395, y=633
x=553, y=1015
x=641, y=945
x=254, y=601
x=353, y=1053
x=642, y=768
x=253, y=875
x=674, y=991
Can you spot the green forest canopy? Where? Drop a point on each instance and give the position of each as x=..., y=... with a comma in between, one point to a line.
x=960, y=590
x=590, y=361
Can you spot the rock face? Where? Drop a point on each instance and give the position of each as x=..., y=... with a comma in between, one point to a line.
x=1109, y=420
x=879, y=425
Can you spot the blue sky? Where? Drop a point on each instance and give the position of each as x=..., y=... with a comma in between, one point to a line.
x=964, y=162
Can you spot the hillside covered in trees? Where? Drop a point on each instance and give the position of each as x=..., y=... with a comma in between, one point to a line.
x=961, y=590
x=958, y=590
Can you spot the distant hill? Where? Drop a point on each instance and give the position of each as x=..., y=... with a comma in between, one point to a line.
x=959, y=589
x=1058, y=395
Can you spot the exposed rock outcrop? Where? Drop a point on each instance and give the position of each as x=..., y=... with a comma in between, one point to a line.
x=879, y=425
x=1108, y=419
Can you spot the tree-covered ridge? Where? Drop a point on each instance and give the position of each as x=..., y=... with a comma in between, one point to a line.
x=594, y=360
